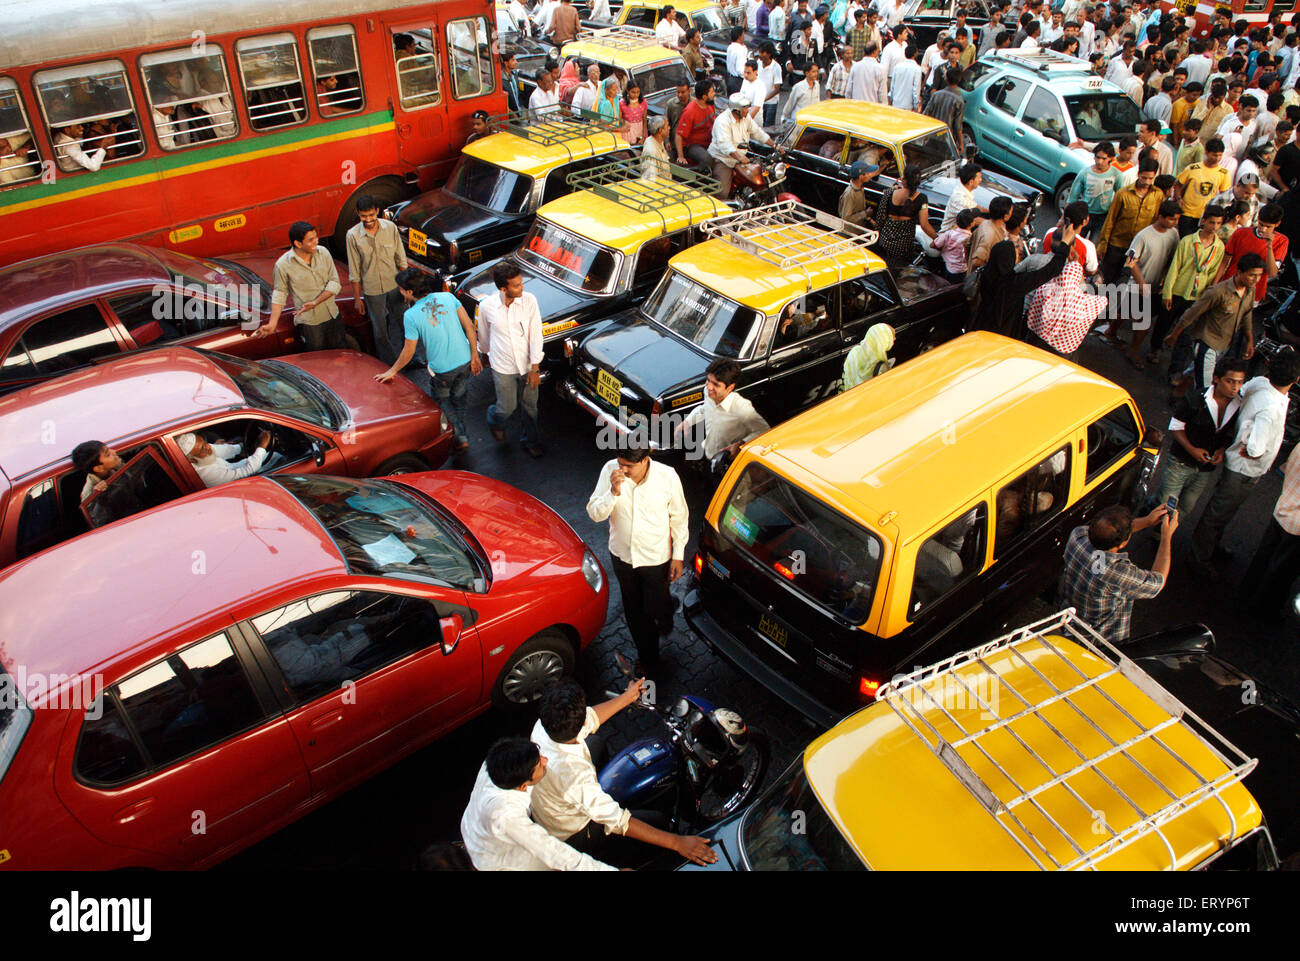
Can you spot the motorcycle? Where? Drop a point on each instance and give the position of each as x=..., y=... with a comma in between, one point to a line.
x=758, y=181
x=707, y=765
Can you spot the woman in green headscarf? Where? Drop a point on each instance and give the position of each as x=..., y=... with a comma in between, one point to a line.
x=870, y=357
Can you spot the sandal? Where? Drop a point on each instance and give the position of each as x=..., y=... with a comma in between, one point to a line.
x=1137, y=362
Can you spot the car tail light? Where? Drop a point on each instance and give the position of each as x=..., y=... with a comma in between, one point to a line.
x=658, y=408
x=868, y=688
x=570, y=345
x=784, y=571
x=699, y=563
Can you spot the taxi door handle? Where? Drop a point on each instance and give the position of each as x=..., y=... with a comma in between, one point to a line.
x=133, y=811
x=1019, y=132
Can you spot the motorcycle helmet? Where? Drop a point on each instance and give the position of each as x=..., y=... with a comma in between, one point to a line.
x=730, y=727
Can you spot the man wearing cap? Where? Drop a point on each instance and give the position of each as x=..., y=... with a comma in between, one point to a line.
x=211, y=461
x=853, y=202
x=732, y=131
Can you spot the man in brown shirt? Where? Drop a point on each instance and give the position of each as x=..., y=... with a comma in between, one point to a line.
x=1217, y=317
x=992, y=230
x=564, y=23
x=1132, y=209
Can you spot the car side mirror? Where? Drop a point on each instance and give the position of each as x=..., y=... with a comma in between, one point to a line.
x=318, y=453
x=451, y=628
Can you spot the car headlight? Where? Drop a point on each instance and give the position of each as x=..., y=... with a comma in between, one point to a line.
x=453, y=252
x=592, y=572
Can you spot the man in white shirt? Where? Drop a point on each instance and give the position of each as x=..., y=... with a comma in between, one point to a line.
x=726, y=419
x=803, y=93
x=893, y=54
x=542, y=16
x=584, y=97
x=867, y=79
x=68, y=153
x=1198, y=65
x=648, y=530
x=1260, y=426
x=569, y=801
x=544, y=99
x=969, y=177
x=754, y=90
x=668, y=31
x=732, y=131
x=510, y=342
x=905, y=82
x=769, y=71
x=737, y=55
x=497, y=831
x=212, y=462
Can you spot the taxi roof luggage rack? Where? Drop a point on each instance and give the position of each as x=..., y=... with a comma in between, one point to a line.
x=621, y=38
x=766, y=233
x=555, y=125
x=911, y=701
x=1044, y=61
x=620, y=182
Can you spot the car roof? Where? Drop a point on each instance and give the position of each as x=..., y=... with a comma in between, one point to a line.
x=1065, y=75
x=943, y=427
x=625, y=55
x=536, y=158
x=874, y=120
x=749, y=280
x=622, y=227
x=902, y=805
x=34, y=286
x=122, y=398
x=133, y=582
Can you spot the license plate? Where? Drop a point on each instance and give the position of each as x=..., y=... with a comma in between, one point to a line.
x=774, y=629
x=418, y=241
x=609, y=388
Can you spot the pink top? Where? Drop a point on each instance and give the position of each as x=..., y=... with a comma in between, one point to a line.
x=952, y=244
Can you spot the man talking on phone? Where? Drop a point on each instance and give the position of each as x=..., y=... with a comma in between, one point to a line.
x=648, y=530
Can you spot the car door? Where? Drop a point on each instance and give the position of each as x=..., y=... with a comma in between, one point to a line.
x=363, y=674
x=186, y=758
x=294, y=446
x=806, y=357
x=1035, y=150
x=417, y=85
x=997, y=111
x=815, y=165
x=147, y=319
x=865, y=302
x=56, y=343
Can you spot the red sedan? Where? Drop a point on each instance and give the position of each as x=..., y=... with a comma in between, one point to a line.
x=63, y=311
x=221, y=665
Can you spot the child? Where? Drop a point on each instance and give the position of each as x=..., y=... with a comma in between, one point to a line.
x=953, y=244
x=1126, y=159
x=633, y=109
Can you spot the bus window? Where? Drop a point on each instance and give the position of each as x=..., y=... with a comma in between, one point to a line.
x=189, y=96
x=334, y=70
x=417, y=68
x=90, y=113
x=19, y=159
x=272, y=80
x=470, y=46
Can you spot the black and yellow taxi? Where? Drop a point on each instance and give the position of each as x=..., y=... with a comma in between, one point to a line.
x=603, y=247
x=638, y=55
x=784, y=290
x=489, y=200
x=1047, y=749
x=908, y=517
x=704, y=15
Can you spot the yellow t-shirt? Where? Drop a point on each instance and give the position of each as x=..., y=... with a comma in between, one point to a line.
x=1200, y=183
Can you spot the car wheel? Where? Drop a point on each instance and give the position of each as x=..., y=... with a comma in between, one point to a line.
x=1062, y=192
x=967, y=139
x=538, y=661
x=386, y=191
x=401, y=464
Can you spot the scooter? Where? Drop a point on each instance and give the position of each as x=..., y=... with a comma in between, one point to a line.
x=707, y=765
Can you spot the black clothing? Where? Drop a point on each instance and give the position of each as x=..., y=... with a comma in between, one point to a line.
x=647, y=606
x=1003, y=291
x=1194, y=412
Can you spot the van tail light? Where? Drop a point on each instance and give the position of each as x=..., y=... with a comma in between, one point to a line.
x=868, y=688
x=784, y=571
x=699, y=564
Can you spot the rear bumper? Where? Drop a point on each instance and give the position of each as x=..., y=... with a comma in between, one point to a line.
x=723, y=643
x=570, y=392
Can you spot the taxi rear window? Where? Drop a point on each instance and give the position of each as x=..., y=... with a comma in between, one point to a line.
x=829, y=558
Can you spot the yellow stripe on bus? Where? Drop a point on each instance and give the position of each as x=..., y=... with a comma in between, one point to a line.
x=196, y=168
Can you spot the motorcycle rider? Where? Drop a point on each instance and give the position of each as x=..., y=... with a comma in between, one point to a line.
x=732, y=131
x=569, y=801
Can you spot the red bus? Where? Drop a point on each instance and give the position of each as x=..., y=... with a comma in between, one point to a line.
x=210, y=126
x=1200, y=13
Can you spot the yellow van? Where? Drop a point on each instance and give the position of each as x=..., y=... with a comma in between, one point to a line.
x=907, y=518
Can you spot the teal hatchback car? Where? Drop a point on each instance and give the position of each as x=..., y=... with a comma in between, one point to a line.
x=1040, y=114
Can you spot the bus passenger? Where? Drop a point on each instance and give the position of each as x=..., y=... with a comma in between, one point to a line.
x=68, y=153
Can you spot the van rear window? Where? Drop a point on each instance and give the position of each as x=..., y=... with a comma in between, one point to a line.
x=831, y=559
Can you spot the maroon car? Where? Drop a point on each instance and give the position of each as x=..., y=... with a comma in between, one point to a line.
x=63, y=311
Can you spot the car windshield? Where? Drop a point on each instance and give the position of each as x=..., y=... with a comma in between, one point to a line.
x=489, y=186
x=1102, y=116
x=572, y=260
x=787, y=829
x=663, y=76
x=705, y=318
x=273, y=386
x=383, y=530
x=823, y=554
x=506, y=22
x=707, y=20
x=232, y=283
x=935, y=149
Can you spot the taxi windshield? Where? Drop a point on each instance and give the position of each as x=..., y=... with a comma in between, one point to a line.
x=570, y=259
x=707, y=20
x=663, y=76
x=490, y=186
x=1102, y=116
x=705, y=318
x=383, y=530
x=787, y=829
x=274, y=386
x=828, y=558
x=935, y=149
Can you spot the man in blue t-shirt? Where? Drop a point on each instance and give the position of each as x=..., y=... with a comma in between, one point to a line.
x=431, y=320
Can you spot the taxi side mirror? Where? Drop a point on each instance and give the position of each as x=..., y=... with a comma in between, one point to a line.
x=451, y=626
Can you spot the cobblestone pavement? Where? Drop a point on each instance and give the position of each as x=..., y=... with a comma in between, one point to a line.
x=387, y=821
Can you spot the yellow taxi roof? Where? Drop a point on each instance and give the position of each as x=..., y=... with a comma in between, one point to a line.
x=902, y=808
x=684, y=6
x=624, y=228
x=628, y=58
x=754, y=282
x=938, y=430
x=534, y=158
x=876, y=121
